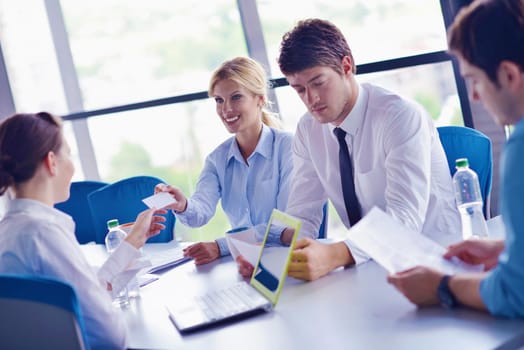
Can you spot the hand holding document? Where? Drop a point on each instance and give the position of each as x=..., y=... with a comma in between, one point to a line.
x=398, y=248
x=243, y=243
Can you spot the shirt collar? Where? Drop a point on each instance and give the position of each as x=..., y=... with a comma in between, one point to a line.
x=40, y=211
x=264, y=146
x=354, y=119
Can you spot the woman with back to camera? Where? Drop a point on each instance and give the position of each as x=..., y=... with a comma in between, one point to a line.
x=36, y=239
x=250, y=172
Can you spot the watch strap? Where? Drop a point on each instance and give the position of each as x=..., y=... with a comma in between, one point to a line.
x=445, y=295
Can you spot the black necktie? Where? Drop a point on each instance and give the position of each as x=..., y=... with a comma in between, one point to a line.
x=346, y=177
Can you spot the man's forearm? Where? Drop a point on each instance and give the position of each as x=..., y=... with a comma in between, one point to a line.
x=466, y=289
x=287, y=236
x=341, y=255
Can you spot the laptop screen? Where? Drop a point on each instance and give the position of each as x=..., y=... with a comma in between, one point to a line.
x=271, y=269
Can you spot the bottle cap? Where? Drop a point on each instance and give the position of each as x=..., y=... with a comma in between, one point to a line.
x=112, y=223
x=462, y=162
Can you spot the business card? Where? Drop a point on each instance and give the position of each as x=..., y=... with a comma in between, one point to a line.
x=159, y=200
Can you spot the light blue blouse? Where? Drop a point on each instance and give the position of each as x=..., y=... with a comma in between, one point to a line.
x=502, y=291
x=248, y=191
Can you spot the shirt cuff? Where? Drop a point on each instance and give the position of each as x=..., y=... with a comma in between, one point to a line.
x=187, y=214
x=358, y=254
x=222, y=246
x=273, y=237
x=117, y=262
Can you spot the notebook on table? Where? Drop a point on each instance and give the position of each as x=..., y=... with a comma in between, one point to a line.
x=241, y=299
x=170, y=257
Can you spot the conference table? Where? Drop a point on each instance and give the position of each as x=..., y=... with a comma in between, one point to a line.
x=351, y=308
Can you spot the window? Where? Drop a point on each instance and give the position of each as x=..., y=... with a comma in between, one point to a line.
x=129, y=51
x=31, y=64
x=375, y=30
x=30, y=57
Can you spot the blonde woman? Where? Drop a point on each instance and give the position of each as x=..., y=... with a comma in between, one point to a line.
x=249, y=172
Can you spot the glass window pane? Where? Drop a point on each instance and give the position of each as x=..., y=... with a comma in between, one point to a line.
x=31, y=64
x=71, y=141
x=170, y=142
x=129, y=51
x=375, y=30
x=431, y=85
x=30, y=57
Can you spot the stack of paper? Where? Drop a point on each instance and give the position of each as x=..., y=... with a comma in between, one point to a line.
x=398, y=248
x=244, y=243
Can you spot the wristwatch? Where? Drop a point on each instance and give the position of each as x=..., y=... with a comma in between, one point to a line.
x=445, y=296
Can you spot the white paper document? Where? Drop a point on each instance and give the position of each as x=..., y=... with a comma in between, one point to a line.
x=244, y=243
x=167, y=257
x=159, y=200
x=398, y=248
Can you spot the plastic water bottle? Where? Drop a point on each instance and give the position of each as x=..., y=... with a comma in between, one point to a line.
x=114, y=237
x=469, y=200
x=118, y=235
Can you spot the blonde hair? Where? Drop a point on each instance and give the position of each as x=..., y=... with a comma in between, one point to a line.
x=249, y=74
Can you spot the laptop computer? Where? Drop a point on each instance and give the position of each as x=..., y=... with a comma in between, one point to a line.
x=241, y=299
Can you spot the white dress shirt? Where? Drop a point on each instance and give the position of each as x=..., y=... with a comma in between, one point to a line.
x=398, y=162
x=36, y=239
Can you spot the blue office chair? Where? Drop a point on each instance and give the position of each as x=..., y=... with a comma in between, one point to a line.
x=78, y=207
x=463, y=142
x=39, y=313
x=122, y=200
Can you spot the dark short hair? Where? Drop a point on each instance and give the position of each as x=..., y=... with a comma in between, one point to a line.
x=313, y=42
x=25, y=140
x=488, y=32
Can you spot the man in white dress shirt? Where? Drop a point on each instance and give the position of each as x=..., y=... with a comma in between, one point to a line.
x=396, y=157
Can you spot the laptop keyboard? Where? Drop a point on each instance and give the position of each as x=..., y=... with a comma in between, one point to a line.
x=229, y=301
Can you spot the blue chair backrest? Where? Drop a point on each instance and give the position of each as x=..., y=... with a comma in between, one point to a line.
x=39, y=313
x=122, y=200
x=464, y=142
x=78, y=207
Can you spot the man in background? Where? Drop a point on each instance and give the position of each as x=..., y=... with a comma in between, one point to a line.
x=487, y=38
x=358, y=146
